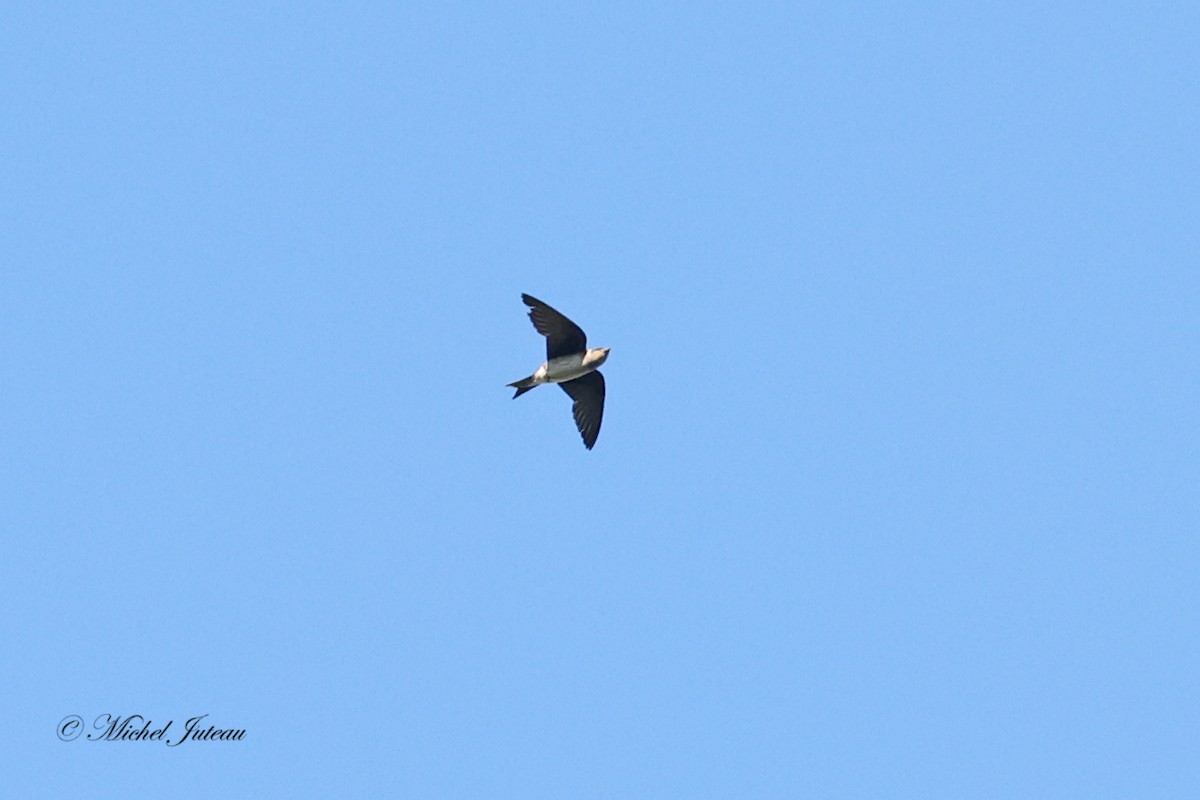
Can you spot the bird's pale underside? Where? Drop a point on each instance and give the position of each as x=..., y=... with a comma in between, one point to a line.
x=571, y=365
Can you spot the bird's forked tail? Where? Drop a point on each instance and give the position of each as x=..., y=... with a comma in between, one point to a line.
x=522, y=386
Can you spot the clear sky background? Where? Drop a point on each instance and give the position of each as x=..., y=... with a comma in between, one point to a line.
x=896, y=493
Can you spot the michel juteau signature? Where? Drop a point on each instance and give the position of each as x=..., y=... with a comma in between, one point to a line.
x=136, y=728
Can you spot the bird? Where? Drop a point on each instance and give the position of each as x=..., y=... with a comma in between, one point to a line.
x=571, y=364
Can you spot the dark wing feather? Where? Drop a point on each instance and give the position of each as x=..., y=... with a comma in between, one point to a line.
x=588, y=394
x=563, y=337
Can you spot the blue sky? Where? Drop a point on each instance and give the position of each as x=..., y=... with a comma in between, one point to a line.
x=896, y=490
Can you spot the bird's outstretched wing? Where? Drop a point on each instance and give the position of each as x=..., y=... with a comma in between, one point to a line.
x=563, y=337
x=588, y=394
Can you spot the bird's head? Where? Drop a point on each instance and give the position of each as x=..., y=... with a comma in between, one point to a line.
x=596, y=356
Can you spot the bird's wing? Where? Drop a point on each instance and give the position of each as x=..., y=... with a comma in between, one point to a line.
x=563, y=337
x=588, y=394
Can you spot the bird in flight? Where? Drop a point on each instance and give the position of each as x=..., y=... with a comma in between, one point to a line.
x=570, y=364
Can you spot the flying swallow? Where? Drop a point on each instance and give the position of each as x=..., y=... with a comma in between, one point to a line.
x=570, y=364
